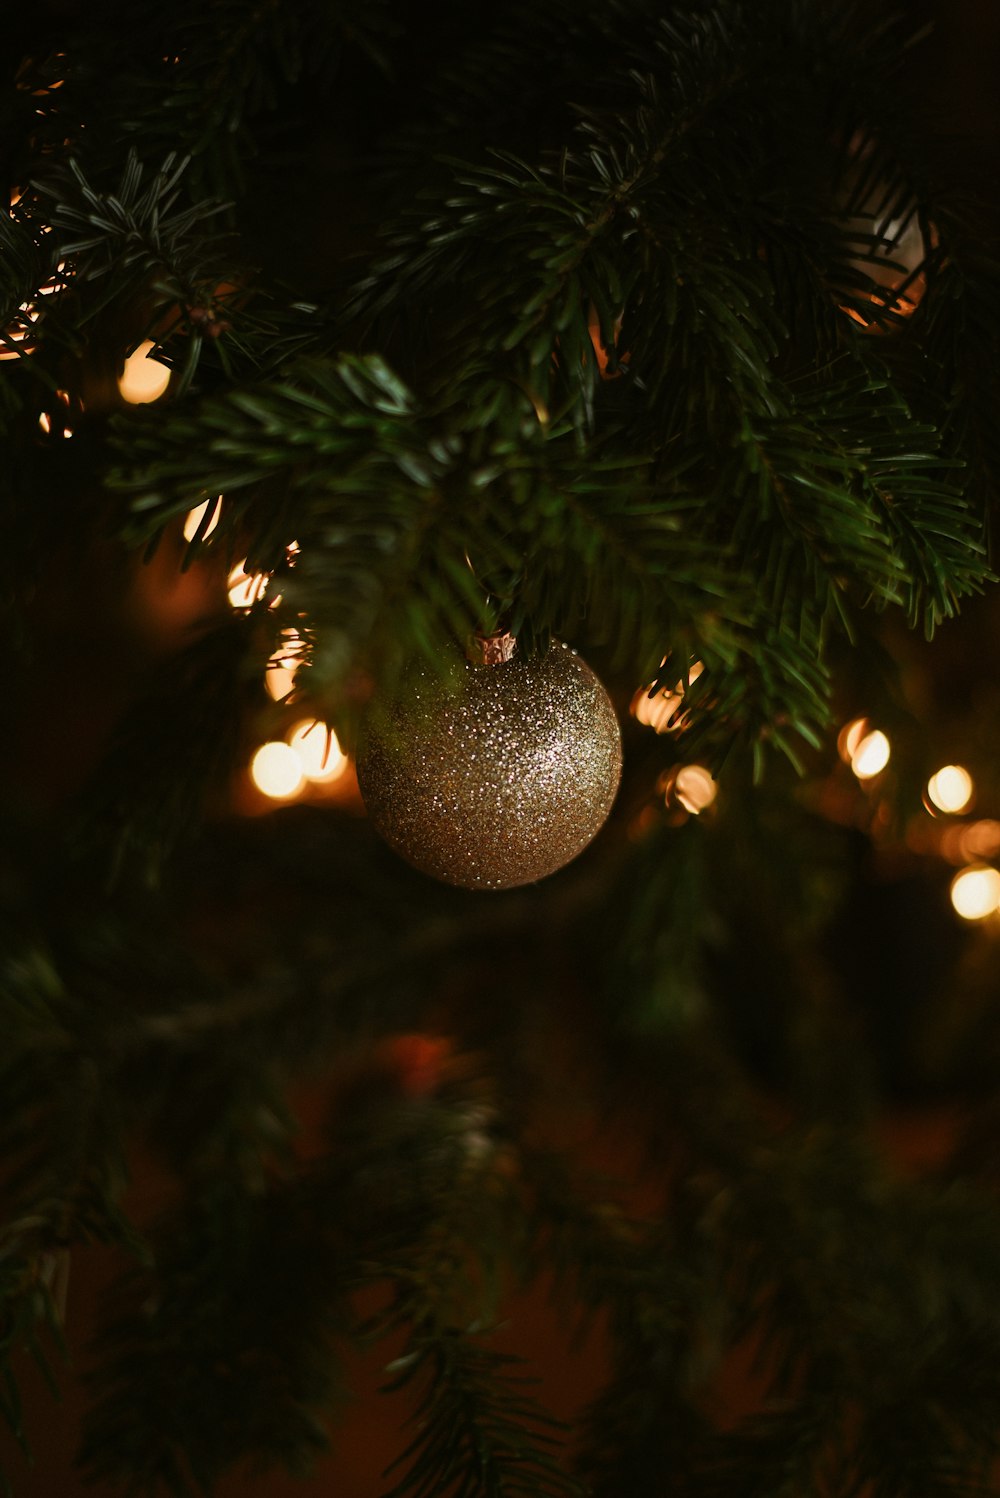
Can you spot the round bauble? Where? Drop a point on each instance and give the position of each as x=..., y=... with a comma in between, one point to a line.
x=496, y=775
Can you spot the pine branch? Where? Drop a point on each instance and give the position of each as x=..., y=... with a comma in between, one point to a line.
x=217, y=1355
x=479, y=1432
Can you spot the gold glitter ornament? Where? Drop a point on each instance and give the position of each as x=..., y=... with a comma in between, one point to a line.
x=498, y=775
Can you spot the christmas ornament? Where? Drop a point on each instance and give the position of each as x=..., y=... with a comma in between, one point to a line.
x=497, y=775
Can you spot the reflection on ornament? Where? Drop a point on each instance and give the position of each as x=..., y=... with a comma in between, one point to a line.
x=319, y=752
x=975, y=892
x=195, y=522
x=246, y=588
x=497, y=776
x=277, y=771
x=950, y=788
x=871, y=755
x=143, y=379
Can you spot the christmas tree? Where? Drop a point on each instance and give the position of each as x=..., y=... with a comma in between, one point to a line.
x=649, y=354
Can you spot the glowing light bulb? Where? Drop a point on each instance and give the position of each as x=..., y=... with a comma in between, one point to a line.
x=694, y=788
x=871, y=755
x=194, y=518
x=850, y=737
x=143, y=379
x=279, y=678
x=657, y=711
x=975, y=892
x=319, y=753
x=246, y=588
x=277, y=771
x=950, y=788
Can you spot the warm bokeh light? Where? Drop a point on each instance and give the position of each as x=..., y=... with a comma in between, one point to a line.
x=850, y=737
x=975, y=892
x=283, y=663
x=18, y=333
x=16, y=338
x=246, y=588
x=980, y=839
x=277, y=771
x=950, y=788
x=194, y=518
x=694, y=788
x=319, y=752
x=48, y=425
x=143, y=379
x=657, y=711
x=871, y=755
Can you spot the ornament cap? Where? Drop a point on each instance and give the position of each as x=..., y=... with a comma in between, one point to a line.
x=491, y=650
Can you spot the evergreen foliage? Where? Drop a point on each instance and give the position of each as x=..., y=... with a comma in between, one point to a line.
x=595, y=321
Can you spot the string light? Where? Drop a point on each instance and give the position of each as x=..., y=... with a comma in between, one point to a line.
x=975, y=892
x=143, y=379
x=690, y=787
x=276, y=770
x=28, y=312
x=48, y=424
x=950, y=788
x=850, y=737
x=694, y=788
x=194, y=518
x=657, y=711
x=283, y=663
x=318, y=749
x=871, y=755
x=246, y=588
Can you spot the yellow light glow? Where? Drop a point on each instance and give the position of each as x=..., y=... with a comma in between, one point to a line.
x=194, y=518
x=246, y=588
x=143, y=379
x=871, y=755
x=850, y=737
x=279, y=678
x=657, y=711
x=282, y=665
x=980, y=839
x=694, y=788
x=319, y=752
x=277, y=771
x=950, y=788
x=975, y=892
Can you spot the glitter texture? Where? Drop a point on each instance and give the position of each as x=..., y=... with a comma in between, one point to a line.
x=498, y=777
